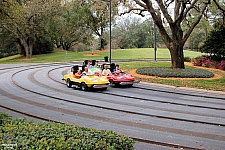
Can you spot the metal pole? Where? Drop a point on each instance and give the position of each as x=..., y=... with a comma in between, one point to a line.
x=155, y=48
x=110, y=31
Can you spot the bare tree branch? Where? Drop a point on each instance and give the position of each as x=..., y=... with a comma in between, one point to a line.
x=165, y=12
x=195, y=23
x=133, y=9
x=218, y=5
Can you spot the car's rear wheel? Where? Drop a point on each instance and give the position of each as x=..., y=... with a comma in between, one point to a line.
x=111, y=82
x=83, y=86
x=69, y=83
x=130, y=85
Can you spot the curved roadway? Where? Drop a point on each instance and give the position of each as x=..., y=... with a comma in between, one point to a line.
x=156, y=117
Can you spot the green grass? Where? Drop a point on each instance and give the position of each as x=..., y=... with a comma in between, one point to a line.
x=66, y=56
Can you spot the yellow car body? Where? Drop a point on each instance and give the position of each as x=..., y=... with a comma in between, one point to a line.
x=86, y=82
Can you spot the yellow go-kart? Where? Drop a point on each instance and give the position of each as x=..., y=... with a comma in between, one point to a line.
x=85, y=82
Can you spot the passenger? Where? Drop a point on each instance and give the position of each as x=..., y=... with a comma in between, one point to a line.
x=78, y=74
x=96, y=65
x=86, y=71
x=106, y=71
x=89, y=64
x=117, y=69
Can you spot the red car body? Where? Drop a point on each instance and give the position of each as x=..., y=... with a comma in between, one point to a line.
x=122, y=79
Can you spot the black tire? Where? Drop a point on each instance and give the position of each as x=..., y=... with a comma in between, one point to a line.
x=111, y=82
x=83, y=86
x=130, y=85
x=105, y=88
x=69, y=83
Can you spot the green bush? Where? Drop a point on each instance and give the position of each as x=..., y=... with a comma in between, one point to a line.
x=179, y=73
x=29, y=135
x=187, y=59
x=9, y=51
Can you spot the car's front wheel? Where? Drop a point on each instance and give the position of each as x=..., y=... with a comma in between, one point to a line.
x=83, y=86
x=69, y=83
x=105, y=88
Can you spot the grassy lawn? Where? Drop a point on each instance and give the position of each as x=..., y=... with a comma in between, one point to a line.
x=128, y=54
x=65, y=56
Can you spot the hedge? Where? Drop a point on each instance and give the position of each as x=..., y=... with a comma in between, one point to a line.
x=179, y=73
x=21, y=134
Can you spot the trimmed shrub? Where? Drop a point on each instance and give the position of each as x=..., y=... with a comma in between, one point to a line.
x=179, y=73
x=29, y=135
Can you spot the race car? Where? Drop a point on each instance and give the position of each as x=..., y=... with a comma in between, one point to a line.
x=85, y=82
x=116, y=78
x=121, y=78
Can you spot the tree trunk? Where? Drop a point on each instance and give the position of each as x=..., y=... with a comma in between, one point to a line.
x=175, y=45
x=31, y=45
x=102, y=40
x=25, y=45
x=177, y=56
x=102, y=43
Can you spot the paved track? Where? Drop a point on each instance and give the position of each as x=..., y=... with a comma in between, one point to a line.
x=157, y=117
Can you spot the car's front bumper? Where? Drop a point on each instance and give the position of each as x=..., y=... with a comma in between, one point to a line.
x=99, y=86
x=129, y=82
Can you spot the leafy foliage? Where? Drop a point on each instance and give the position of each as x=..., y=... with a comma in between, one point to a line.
x=23, y=19
x=215, y=42
x=30, y=135
x=179, y=73
x=133, y=33
x=73, y=28
x=43, y=45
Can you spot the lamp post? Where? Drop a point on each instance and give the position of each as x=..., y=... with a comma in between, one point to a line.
x=110, y=30
x=155, y=38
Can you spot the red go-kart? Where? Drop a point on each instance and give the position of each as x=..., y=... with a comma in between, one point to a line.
x=121, y=78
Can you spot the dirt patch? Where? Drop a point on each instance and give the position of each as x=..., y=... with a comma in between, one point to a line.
x=29, y=59
x=91, y=54
x=216, y=76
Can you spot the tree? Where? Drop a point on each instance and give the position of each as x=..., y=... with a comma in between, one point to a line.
x=215, y=41
x=186, y=12
x=98, y=17
x=21, y=18
x=72, y=27
x=131, y=32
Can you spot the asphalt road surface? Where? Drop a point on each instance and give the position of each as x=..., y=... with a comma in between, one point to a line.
x=157, y=117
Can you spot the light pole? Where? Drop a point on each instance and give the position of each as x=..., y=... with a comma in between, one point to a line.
x=110, y=30
x=155, y=38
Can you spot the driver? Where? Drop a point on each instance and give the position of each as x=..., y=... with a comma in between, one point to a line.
x=78, y=74
x=106, y=71
x=117, y=70
x=86, y=71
